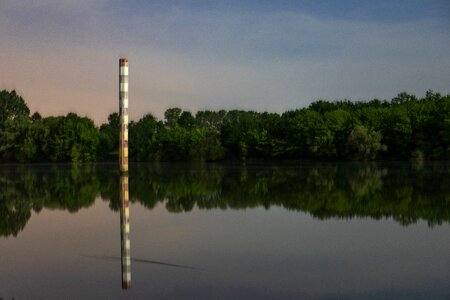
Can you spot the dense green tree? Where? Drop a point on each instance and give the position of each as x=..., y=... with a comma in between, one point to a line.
x=14, y=128
x=109, y=139
x=310, y=135
x=407, y=126
x=15, y=144
x=210, y=119
x=175, y=144
x=172, y=115
x=396, y=131
x=204, y=145
x=145, y=138
x=364, y=144
x=73, y=138
x=36, y=117
x=186, y=120
x=340, y=123
x=236, y=129
x=12, y=107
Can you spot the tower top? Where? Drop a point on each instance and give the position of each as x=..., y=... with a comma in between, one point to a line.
x=123, y=62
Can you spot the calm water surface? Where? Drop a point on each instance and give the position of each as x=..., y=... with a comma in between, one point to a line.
x=284, y=231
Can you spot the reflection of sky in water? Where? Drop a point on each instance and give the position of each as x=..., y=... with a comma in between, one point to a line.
x=253, y=253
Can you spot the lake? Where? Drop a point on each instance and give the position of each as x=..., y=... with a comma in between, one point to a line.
x=292, y=230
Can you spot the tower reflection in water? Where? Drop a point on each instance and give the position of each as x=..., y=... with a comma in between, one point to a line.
x=125, y=232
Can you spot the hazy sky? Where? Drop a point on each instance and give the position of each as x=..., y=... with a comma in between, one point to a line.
x=62, y=55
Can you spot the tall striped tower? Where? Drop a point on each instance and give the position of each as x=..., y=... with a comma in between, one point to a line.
x=123, y=114
x=125, y=233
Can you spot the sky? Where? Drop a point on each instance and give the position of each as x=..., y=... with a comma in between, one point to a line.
x=63, y=55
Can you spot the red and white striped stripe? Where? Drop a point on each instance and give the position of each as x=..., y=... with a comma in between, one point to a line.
x=123, y=114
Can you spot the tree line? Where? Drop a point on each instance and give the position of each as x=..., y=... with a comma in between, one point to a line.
x=405, y=192
x=406, y=127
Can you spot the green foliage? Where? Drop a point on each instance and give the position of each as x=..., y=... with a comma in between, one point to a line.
x=340, y=122
x=204, y=145
x=186, y=120
x=210, y=119
x=14, y=128
x=309, y=135
x=145, y=136
x=15, y=140
x=199, y=144
x=396, y=131
x=73, y=138
x=364, y=144
x=12, y=107
x=109, y=139
x=172, y=115
x=404, y=128
x=235, y=132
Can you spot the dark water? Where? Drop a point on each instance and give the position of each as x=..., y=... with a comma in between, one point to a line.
x=285, y=231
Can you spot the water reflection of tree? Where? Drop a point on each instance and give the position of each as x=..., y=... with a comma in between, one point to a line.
x=346, y=190
x=179, y=186
x=27, y=189
x=401, y=191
